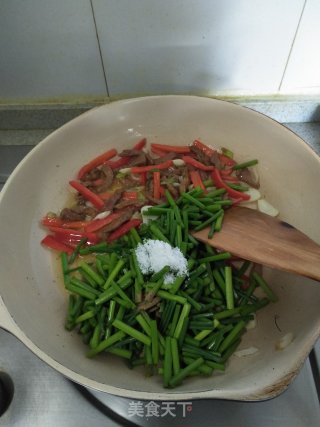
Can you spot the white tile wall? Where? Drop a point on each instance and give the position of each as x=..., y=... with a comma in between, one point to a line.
x=203, y=46
x=303, y=70
x=48, y=48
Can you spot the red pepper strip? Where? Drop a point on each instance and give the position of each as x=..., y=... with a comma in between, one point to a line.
x=73, y=234
x=73, y=241
x=193, y=162
x=141, y=169
x=162, y=191
x=226, y=172
x=75, y=224
x=220, y=184
x=196, y=180
x=156, y=185
x=204, y=148
x=158, y=152
x=123, y=161
x=88, y=194
x=123, y=229
x=106, y=195
x=50, y=242
x=174, y=148
x=57, y=222
x=143, y=178
x=226, y=161
x=116, y=164
x=141, y=144
x=129, y=195
x=97, y=224
x=231, y=179
x=97, y=161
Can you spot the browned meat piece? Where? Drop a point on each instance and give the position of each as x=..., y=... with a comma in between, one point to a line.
x=71, y=215
x=92, y=175
x=150, y=160
x=80, y=199
x=245, y=175
x=92, y=212
x=130, y=153
x=110, y=203
x=200, y=156
x=204, y=175
x=127, y=214
x=128, y=182
x=174, y=192
x=169, y=156
x=205, y=159
x=140, y=160
x=153, y=200
x=108, y=175
x=215, y=160
x=77, y=213
x=149, y=185
x=138, y=157
x=125, y=203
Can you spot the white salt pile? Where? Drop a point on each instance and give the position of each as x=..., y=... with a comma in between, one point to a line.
x=154, y=255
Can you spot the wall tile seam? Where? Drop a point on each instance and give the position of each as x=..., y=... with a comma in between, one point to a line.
x=292, y=46
x=99, y=47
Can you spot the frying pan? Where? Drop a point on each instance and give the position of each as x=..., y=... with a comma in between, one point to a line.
x=33, y=301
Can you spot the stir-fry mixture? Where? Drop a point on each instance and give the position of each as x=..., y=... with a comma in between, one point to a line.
x=140, y=285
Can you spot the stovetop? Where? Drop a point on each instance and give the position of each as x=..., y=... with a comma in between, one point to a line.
x=43, y=397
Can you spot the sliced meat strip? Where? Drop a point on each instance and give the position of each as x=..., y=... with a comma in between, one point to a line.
x=68, y=214
x=110, y=203
x=215, y=160
x=125, y=203
x=204, y=175
x=130, y=153
x=150, y=160
x=78, y=213
x=169, y=156
x=140, y=160
x=245, y=175
x=153, y=200
x=173, y=191
x=117, y=222
x=108, y=176
x=200, y=156
x=92, y=175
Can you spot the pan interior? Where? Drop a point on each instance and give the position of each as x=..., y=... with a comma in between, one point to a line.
x=30, y=284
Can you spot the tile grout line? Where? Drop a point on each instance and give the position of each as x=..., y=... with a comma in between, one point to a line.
x=292, y=45
x=99, y=47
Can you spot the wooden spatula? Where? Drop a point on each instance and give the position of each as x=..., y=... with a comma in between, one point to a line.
x=258, y=237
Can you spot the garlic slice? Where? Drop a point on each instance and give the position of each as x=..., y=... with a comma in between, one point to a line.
x=284, y=341
x=253, y=193
x=267, y=208
x=246, y=352
x=102, y=215
x=178, y=162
